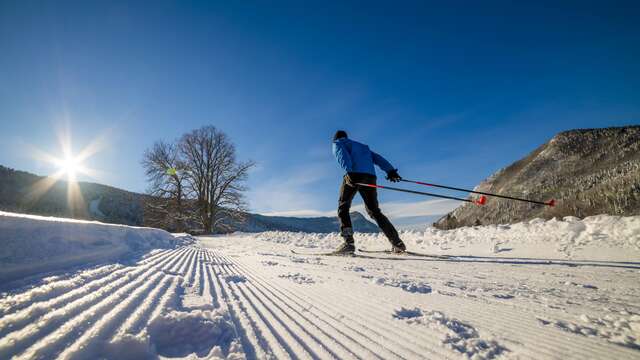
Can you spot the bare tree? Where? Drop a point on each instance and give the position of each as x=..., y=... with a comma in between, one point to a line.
x=167, y=206
x=214, y=177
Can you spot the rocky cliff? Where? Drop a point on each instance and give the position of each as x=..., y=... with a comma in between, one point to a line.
x=587, y=172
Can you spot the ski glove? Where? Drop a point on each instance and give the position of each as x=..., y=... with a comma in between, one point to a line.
x=393, y=176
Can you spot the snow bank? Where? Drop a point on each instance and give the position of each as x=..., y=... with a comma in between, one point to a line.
x=595, y=237
x=33, y=244
x=570, y=232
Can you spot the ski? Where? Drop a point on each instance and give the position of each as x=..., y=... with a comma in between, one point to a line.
x=321, y=253
x=364, y=252
x=407, y=253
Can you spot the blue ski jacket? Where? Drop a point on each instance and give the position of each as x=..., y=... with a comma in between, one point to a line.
x=356, y=157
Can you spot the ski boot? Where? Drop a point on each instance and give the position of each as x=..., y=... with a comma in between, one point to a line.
x=347, y=247
x=398, y=248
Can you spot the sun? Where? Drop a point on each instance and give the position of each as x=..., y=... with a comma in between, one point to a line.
x=70, y=166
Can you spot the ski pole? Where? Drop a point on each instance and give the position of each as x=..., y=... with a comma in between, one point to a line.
x=551, y=202
x=480, y=201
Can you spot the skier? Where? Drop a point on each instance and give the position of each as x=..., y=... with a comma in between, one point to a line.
x=357, y=160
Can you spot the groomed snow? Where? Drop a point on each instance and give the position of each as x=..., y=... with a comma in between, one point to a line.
x=32, y=244
x=530, y=291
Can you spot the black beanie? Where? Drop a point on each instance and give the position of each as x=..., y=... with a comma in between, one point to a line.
x=339, y=134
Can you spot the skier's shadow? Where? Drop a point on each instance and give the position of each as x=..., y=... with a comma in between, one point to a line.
x=506, y=261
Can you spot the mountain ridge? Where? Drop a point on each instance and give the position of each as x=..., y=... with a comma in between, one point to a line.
x=113, y=205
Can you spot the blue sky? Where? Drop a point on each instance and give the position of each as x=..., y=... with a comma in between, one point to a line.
x=448, y=93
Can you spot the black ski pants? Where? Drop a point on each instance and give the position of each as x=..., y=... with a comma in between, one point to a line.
x=348, y=190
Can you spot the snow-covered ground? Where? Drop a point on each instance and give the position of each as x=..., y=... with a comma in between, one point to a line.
x=556, y=289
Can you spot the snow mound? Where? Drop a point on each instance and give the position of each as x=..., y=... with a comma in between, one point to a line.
x=128, y=347
x=184, y=239
x=566, y=236
x=621, y=330
x=179, y=334
x=458, y=336
x=34, y=244
x=417, y=287
x=298, y=278
x=203, y=332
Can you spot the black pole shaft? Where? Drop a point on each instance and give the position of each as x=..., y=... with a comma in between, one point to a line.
x=479, y=192
x=416, y=192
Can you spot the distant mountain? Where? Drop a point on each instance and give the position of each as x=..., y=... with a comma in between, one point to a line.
x=21, y=192
x=256, y=223
x=418, y=223
x=24, y=192
x=587, y=171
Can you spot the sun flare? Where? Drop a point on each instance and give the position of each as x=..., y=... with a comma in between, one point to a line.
x=69, y=166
